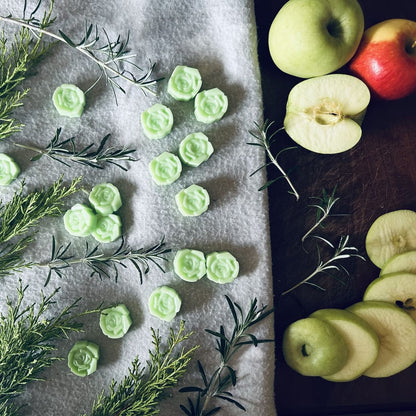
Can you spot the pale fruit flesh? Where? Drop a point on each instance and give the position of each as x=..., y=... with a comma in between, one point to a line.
x=361, y=340
x=397, y=288
x=313, y=347
x=403, y=262
x=391, y=234
x=396, y=331
x=324, y=114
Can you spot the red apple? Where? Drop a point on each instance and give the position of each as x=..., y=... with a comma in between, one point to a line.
x=386, y=59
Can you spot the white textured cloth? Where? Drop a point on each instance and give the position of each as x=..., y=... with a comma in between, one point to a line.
x=219, y=38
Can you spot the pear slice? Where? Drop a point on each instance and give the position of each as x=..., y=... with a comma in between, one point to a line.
x=403, y=262
x=390, y=234
x=324, y=114
x=398, y=288
x=361, y=339
x=396, y=331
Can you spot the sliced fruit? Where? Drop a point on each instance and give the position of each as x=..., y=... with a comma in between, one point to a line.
x=324, y=114
x=390, y=234
x=313, y=347
x=361, y=339
x=398, y=288
x=396, y=331
x=403, y=262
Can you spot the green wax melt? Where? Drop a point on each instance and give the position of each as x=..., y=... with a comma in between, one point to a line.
x=195, y=149
x=69, y=100
x=165, y=168
x=222, y=267
x=107, y=229
x=115, y=321
x=164, y=303
x=189, y=264
x=184, y=83
x=105, y=198
x=157, y=121
x=83, y=358
x=210, y=105
x=80, y=220
x=192, y=201
x=9, y=170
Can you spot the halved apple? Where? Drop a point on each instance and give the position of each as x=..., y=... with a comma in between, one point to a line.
x=396, y=331
x=313, y=347
x=398, y=288
x=403, y=262
x=324, y=114
x=361, y=339
x=390, y=234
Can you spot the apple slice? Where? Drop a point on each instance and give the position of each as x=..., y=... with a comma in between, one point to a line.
x=396, y=331
x=361, y=339
x=324, y=114
x=313, y=347
x=398, y=288
x=403, y=262
x=390, y=234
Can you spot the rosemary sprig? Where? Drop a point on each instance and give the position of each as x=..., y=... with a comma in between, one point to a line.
x=65, y=150
x=111, y=56
x=16, y=62
x=21, y=215
x=265, y=139
x=323, y=207
x=27, y=337
x=342, y=252
x=224, y=376
x=140, y=392
x=105, y=265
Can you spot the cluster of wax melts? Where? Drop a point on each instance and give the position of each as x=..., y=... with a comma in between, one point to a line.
x=84, y=355
x=100, y=220
x=191, y=265
x=157, y=121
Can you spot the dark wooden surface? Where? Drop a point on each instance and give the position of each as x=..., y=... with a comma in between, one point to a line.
x=377, y=176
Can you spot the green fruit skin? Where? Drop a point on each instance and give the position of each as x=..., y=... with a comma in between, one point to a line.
x=309, y=38
x=326, y=349
x=360, y=337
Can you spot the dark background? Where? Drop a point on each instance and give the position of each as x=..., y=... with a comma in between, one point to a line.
x=376, y=176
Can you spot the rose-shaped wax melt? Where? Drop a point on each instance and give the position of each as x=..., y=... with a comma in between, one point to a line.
x=184, y=83
x=157, y=121
x=9, y=170
x=107, y=229
x=115, y=321
x=105, y=198
x=80, y=220
x=189, y=264
x=192, y=201
x=222, y=267
x=195, y=149
x=164, y=303
x=83, y=358
x=165, y=168
x=69, y=100
x=210, y=105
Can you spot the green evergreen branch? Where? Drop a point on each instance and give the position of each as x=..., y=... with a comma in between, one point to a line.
x=141, y=391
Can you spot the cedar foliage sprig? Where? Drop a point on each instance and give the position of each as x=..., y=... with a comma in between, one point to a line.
x=113, y=57
x=27, y=337
x=216, y=386
x=106, y=265
x=141, y=391
x=17, y=59
x=22, y=214
x=65, y=150
x=265, y=139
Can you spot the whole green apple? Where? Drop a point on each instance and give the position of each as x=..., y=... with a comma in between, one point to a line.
x=313, y=347
x=309, y=38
